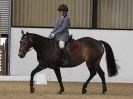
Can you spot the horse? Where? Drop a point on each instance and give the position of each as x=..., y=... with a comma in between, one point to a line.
x=49, y=56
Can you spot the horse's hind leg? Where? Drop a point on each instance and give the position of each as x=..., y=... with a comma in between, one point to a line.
x=58, y=75
x=102, y=76
x=92, y=74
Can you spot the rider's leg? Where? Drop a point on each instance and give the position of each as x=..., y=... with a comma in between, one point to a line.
x=64, y=53
x=61, y=44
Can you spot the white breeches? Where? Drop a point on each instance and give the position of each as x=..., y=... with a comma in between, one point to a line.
x=61, y=44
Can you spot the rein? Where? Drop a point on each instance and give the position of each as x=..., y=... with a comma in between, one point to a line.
x=50, y=37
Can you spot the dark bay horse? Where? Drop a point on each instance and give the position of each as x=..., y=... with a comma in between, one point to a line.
x=49, y=56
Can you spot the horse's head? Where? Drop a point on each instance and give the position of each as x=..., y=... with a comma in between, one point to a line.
x=25, y=44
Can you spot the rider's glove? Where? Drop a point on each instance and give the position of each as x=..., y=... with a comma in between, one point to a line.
x=52, y=36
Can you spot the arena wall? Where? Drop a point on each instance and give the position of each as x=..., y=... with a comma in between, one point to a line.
x=120, y=41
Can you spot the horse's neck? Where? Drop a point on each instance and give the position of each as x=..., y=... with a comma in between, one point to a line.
x=42, y=44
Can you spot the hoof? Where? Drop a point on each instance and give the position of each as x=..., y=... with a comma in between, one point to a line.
x=104, y=91
x=32, y=90
x=61, y=91
x=84, y=91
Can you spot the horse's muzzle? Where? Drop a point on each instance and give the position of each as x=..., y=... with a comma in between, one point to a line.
x=21, y=55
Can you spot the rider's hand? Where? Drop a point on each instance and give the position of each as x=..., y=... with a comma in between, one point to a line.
x=52, y=36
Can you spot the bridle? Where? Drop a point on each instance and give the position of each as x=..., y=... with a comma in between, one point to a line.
x=24, y=50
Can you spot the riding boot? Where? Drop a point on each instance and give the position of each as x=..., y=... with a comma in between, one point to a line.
x=65, y=56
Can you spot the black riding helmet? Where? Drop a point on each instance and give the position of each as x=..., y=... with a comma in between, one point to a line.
x=62, y=7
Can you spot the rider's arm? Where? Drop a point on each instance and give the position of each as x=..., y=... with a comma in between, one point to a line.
x=65, y=25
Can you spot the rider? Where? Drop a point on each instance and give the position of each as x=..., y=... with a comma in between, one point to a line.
x=61, y=32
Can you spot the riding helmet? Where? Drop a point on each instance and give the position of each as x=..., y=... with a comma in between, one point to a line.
x=62, y=7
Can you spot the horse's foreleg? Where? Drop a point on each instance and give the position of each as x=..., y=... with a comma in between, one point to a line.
x=58, y=75
x=37, y=69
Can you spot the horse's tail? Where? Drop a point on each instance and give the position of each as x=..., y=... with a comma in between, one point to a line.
x=112, y=67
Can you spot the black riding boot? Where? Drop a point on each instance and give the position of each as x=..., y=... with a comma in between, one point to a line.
x=65, y=56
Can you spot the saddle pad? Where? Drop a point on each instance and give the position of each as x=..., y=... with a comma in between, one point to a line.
x=73, y=46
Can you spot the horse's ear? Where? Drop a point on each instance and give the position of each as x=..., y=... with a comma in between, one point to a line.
x=26, y=32
x=22, y=32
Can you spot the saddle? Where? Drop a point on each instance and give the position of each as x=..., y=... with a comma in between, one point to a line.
x=72, y=45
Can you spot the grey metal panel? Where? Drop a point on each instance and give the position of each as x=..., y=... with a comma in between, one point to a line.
x=4, y=14
x=44, y=13
x=115, y=14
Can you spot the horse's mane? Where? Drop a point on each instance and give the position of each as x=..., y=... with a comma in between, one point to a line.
x=41, y=40
x=38, y=37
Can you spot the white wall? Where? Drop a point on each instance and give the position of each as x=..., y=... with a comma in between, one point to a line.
x=120, y=41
